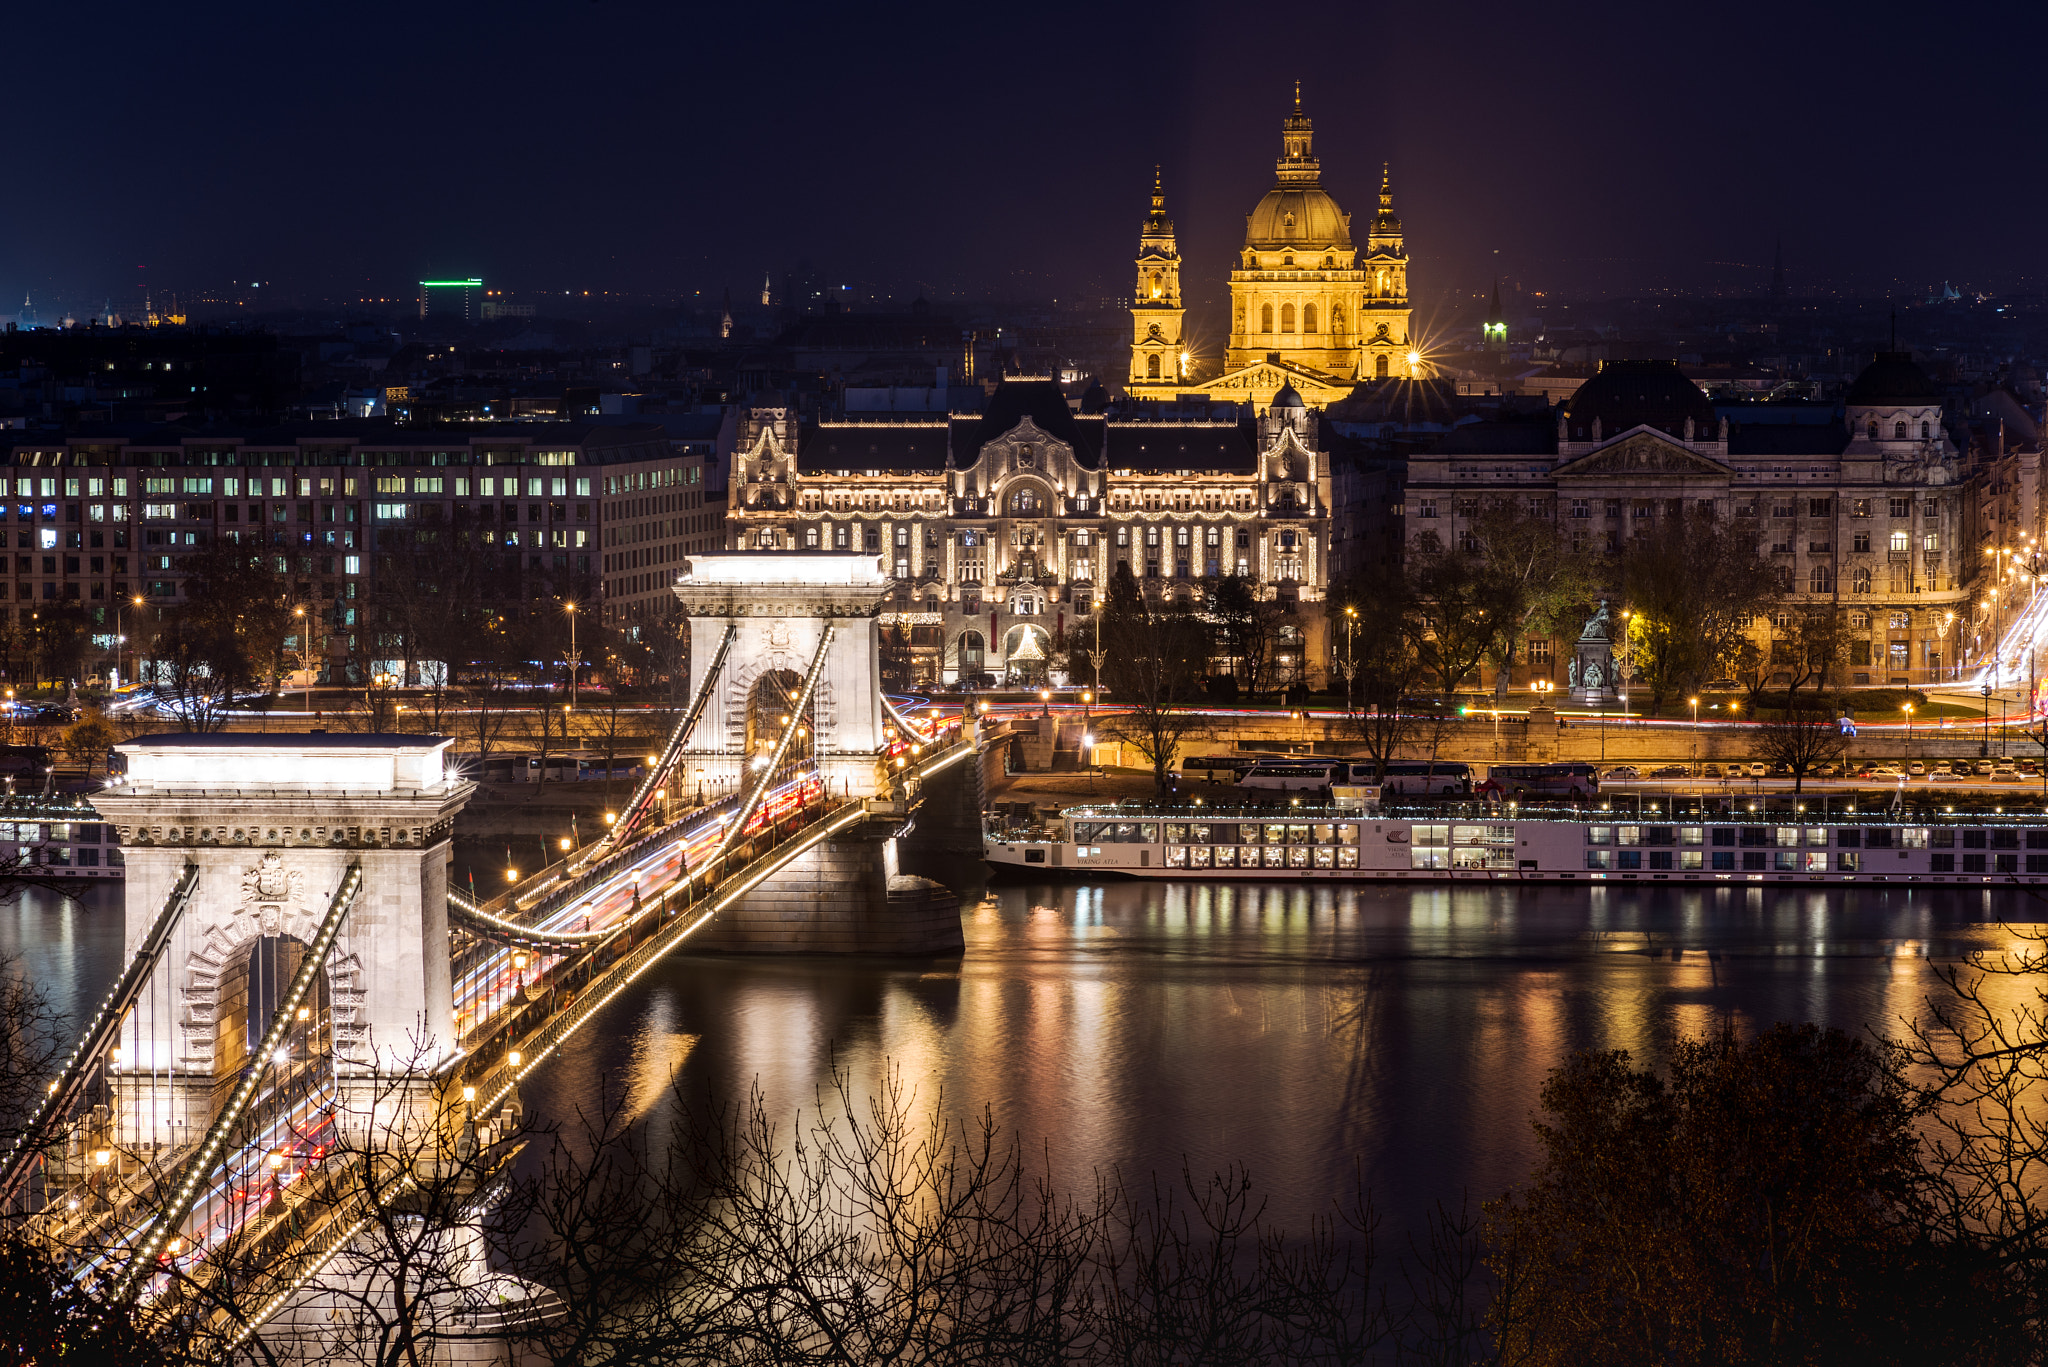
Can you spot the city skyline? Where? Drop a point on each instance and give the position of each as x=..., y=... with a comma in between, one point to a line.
x=982, y=156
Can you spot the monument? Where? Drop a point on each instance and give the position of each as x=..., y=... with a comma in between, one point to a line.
x=1591, y=678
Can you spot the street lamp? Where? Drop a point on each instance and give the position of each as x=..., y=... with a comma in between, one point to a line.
x=1984, y=746
x=1909, y=729
x=305, y=654
x=1350, y=655
x=1695, y=729
x=570, y=608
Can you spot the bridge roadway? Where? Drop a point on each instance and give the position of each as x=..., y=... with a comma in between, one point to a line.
x=264, y=1187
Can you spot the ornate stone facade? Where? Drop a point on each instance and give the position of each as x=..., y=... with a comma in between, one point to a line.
x=1307, y=308
x=1863, y=510
x=1158, y=353
x=1001, y=531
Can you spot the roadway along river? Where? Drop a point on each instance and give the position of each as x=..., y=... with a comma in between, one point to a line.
x=1404, y=1029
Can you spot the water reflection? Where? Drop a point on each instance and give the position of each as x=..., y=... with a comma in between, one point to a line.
x=1308, y=1031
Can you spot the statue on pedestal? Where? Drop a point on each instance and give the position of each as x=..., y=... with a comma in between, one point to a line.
x=1591, y=672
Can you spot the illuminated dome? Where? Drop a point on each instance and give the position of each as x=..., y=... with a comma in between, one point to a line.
x=1289, y=217
x=1297, y=212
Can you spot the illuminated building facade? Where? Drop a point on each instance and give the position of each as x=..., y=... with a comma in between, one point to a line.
x=1158, y=353
x=349, y=516
x=1865, y=512
x=1001, y=530
x=1308, y=309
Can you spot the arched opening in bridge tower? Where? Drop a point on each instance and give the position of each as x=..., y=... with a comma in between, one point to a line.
x=771, y=708
x=252, y=992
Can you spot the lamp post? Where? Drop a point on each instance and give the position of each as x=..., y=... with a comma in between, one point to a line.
x=1984, y=746
x=1095, y=656
x=1695, y=729
x=305, y=654
x=570, y=608
x=1350, y=655
x=1909, y=729
x=137, y=601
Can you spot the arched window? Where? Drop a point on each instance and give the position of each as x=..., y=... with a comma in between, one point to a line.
x=1379, y=367
x=1152, y=367
x=1822, y=580
x=1924, y=432
x=1873, y=429
x=1899, y=431
x=1287, y=317
x=811, y=538
x=1860, y=582
x=1308, y=318
x=1265, y=317
x=1024, y=501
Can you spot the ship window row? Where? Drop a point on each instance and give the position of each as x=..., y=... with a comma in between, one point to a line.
x=1783, y=861
x=1219, y=833
x=1852, y=837
x=1261, y=856
x=1982, y=863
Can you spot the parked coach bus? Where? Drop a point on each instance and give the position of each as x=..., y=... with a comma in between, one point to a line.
x=1412, y=777
x=1575, y=781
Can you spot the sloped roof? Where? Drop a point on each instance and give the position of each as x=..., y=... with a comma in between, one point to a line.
x=1153, y=447
x=840, y=446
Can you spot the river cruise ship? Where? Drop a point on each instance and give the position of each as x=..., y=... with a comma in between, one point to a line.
x=1361, y=842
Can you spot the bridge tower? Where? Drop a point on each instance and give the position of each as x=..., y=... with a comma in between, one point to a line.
x=281, y=829
x=780, y=604
x=846, y=895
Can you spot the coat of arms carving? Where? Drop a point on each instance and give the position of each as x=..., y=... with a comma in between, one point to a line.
x=270, y=892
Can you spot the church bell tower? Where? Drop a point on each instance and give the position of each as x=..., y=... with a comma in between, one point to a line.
x=1158, y=366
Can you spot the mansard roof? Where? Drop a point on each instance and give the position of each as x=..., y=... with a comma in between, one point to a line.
x=1627, y=394
x=902, y=446
x=1154, y=447
x=1038, y=398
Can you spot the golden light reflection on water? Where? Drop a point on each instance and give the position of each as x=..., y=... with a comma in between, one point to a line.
x=1306, y=1031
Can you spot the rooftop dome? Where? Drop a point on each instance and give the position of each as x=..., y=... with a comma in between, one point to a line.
x=1297, y=212
x=1893, y=378
x=1288, y=397
x=1627, y=394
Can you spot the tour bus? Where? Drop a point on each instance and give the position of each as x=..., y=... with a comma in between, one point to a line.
x=1541, y=780
x=1292, y=778
x=1236, y=766
x=1411, y=777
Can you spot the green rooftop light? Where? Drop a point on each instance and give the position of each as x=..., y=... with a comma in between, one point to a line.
x=438, y=283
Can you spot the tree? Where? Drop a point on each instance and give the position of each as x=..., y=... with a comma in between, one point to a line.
x=1817, y=647
x=1695, y=585
x=89, y=738
x=1766, y=1203
x=1458, y=613
x=1384, y=639
x=1154, y=670
x=1802, y=739
x=1246, y=625
x=1530, y=575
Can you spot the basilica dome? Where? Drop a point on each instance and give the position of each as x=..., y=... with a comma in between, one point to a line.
x=1299, y=216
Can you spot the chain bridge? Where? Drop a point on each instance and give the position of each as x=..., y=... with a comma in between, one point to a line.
x=309, y=1019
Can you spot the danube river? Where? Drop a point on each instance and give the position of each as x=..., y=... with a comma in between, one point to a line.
x=1308, y=1034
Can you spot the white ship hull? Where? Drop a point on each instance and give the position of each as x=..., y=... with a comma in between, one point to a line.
x=1329, y=846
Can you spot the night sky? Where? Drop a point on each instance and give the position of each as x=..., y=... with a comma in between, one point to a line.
x=1006, y=150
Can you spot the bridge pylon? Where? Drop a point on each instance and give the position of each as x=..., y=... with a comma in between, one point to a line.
x=780, y=604
x=276, y=826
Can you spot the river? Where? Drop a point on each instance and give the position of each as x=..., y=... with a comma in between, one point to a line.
x=1307, y=1033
